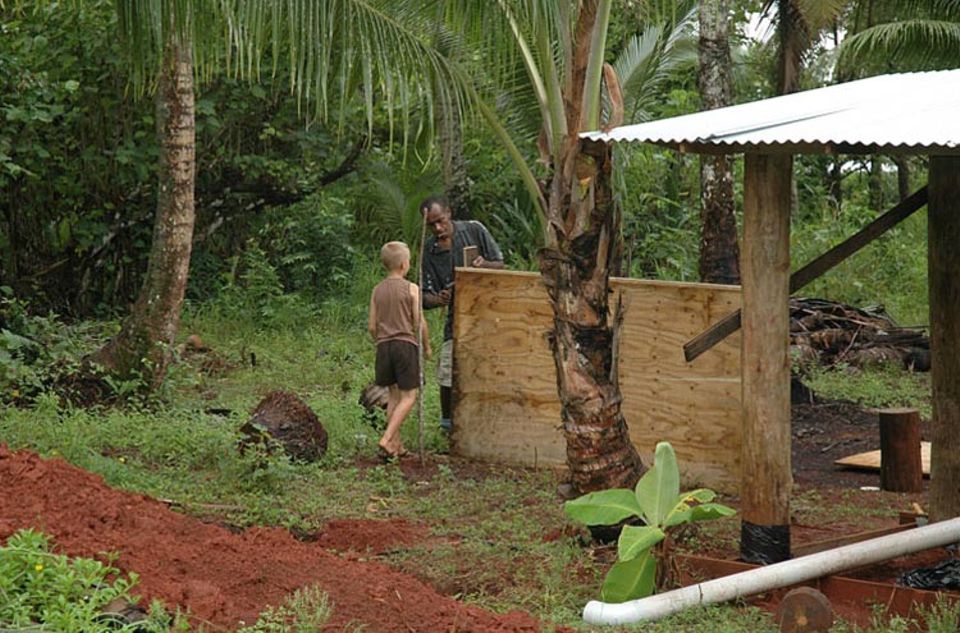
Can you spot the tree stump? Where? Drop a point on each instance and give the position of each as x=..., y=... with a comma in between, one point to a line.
x=901, y=469
x=804, y=610
x=283, y=420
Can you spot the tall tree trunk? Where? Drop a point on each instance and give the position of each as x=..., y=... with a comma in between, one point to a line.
x=903, y=176
x=144, y=345
x=456, y=183
x=875, y=184
x=583, y=243
x=835, y=183
x=719, y=251
x=794, y=38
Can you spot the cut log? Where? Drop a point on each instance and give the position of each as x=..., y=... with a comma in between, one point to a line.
x=901, y=469
x=282, y=420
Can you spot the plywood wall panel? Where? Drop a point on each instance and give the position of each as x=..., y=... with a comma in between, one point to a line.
x=506, y=405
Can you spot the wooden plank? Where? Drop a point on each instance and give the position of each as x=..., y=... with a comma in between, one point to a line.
x=506, y=403
x=870, y=460
x=814, y=269
x=848, y=539
x=765, y=447
x=943, y=235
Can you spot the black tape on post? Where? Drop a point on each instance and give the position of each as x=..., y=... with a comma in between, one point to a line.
x=764, y=544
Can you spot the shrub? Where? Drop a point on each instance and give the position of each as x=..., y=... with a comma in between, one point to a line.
x=658, y=502
x=56, y=592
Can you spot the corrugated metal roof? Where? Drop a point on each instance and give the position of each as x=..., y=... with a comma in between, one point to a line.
x=916, y=113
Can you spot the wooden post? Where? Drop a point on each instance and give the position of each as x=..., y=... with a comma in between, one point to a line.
x=901, y=469
x=943, y=235
x=765, y=469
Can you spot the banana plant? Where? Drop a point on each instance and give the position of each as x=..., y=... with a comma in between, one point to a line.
x=658, y=503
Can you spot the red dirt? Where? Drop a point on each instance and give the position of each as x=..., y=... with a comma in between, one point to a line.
x=221, y=577
x=365, y=536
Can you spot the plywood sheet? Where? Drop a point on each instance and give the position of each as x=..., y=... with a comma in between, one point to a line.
x=870, y=460
x=506, y=404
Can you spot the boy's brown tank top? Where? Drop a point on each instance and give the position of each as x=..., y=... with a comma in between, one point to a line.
x=395, y=311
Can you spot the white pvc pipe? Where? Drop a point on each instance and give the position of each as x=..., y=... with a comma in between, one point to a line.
x=775, y=576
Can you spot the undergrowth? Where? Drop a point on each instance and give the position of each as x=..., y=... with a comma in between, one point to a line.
x=493, y=536
x=45, y=591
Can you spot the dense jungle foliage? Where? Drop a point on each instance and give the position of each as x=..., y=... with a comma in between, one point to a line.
x=289, y=205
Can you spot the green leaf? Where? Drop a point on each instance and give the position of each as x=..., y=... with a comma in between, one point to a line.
x=634, y=541
x=630, y=579
x=681, y=511
x=658, y=489
x=709, y=511
x=606, y=507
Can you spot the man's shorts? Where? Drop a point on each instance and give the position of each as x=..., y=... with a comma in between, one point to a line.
x=398, y=363
x=445, y=364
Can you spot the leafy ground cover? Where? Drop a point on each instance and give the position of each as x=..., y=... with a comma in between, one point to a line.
x=475, y=540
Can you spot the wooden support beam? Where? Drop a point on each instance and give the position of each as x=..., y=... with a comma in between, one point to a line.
x=814, y=269
x=766, y=475
x=901, y=469
x=943, y=236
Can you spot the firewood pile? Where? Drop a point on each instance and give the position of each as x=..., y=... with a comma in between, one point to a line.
x=831, y=333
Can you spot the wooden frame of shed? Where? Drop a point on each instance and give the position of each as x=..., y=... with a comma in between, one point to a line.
x=894, y=114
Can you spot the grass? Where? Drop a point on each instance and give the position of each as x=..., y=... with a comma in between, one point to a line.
x=876, y=387
x=495, y=537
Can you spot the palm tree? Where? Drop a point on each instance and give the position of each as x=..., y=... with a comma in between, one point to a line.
x=901, y=35
x=561, y=47
x=378, y=49
x=353, y=45
x=799, y=23
x=719, y=251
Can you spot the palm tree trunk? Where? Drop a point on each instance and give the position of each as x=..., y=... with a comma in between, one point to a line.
x=455, y=181
x=583, y=243
x=719, y=251
x=794, y=40
x=144, y=345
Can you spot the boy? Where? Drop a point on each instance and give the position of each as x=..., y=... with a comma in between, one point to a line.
x=394, y=312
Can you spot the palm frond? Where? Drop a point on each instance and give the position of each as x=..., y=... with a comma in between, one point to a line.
x=909, y=45
x=649, y=58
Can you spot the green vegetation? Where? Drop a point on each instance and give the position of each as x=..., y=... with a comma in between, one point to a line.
x=292, y=205
x=45, y=591
x=644, y=551
x=306, y=611
x=496, y=537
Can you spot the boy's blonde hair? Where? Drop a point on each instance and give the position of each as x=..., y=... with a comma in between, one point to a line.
x=394, y=254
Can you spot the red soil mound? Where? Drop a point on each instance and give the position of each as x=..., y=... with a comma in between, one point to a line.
x=375, y=537
x=223, y=578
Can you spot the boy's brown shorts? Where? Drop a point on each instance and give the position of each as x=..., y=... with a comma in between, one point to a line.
x=398, y=363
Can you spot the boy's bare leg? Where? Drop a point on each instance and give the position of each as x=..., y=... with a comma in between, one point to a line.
x=393, y=397
x=390, y=441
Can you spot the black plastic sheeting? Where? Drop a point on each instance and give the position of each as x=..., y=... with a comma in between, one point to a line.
x=764, y=544
x=943, y=575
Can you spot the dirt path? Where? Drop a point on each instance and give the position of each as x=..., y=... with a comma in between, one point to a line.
x=222, y=577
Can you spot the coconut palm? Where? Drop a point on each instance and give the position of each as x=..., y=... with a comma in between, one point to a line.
x=902, y=35
x=559, y=49
x=379, y=51
x=719, y=251
x=335, y=51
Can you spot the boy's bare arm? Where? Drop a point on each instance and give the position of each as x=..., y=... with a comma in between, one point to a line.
x=372, y=320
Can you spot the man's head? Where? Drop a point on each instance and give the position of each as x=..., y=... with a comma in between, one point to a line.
x=395, y=256
x=439, y=217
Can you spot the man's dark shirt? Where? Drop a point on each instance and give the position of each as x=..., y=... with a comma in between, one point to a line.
x=438, y=264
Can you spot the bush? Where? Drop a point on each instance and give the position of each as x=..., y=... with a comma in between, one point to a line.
x=56, y=592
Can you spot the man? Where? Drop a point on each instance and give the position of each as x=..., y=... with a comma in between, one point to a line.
x=441, y=253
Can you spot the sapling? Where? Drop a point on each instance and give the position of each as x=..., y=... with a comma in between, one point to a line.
x=659, y=504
